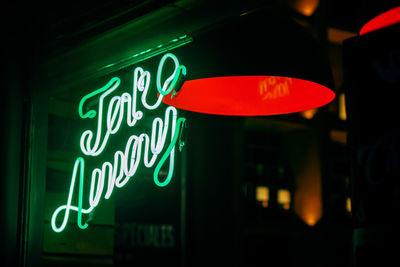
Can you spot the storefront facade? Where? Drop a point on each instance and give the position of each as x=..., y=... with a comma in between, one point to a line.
x=111, y=173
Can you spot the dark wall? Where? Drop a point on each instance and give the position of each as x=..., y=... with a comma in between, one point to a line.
x=19, y=54
x=372, y=81
x=11, y=125
x=214, y=172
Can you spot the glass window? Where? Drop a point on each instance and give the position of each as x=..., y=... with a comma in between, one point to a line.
x=113, y=184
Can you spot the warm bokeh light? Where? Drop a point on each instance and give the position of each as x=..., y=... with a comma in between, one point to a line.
x=342, y=107
x=309, y=206
x=262, y=195
x=310, y=219
x=348, y=204
x=284, y=198
x=309, y=114
x=307, y=198
x=305, y=7
x=338, y=136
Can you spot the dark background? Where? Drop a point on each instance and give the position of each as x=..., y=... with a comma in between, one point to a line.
x=34, y=33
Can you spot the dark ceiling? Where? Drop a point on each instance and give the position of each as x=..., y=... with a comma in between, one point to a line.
x=68, y=18
x=75, y=19
x=60, y=25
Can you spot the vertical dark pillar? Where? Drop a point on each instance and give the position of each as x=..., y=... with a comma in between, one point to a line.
x=214, y=171
x=11, y=123
x=372, y=81
x=23, y=123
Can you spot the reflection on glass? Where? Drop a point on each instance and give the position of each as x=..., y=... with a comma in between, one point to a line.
x=273, y=87
x=284, y=198
x=262, y=195
x=348, y=204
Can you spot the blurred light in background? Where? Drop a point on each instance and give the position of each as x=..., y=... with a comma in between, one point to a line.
x=307, y=198
x=262, y=195
x=342, y=107
x=284, y=198
x=305, y=7
x=309, y=114
x=348, y=204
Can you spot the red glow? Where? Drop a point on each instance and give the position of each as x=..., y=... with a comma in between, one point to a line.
x=250, y=95
x=383, y=20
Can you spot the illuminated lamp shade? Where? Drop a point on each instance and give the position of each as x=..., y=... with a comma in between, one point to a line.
x=255, y=65
x=250, y=95
x=383, y=20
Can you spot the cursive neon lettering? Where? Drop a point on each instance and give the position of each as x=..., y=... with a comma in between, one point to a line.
x=138, y=148
x=116, y=106
x=170, y=82
x=127, y=162
x=78, y=166
x=169, y=153
x=88, y=135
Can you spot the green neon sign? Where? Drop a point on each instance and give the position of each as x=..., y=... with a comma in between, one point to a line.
x=146, y=148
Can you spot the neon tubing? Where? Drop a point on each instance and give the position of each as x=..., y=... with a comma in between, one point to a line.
x=170, y=153
x=79, y=163
x=116, y=106
x=127, y=163
x=88, y=135
x=170, y=82
x=109, y=87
